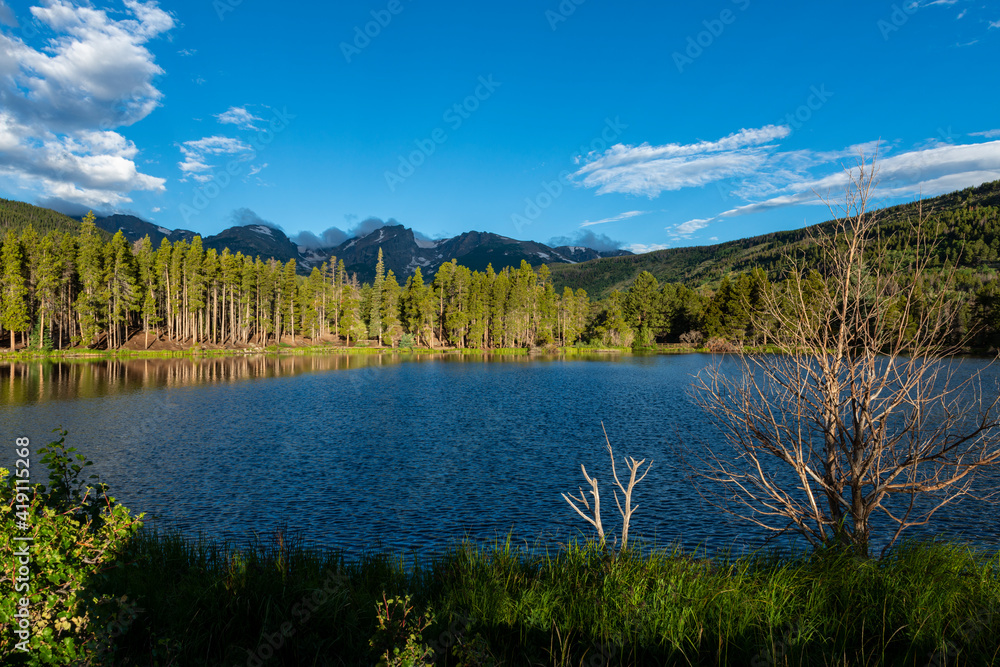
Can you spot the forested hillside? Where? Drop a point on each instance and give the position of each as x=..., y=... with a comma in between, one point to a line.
x=969, y=230
x=16, y=216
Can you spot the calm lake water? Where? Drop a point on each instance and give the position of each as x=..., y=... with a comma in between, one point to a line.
x=411, y=452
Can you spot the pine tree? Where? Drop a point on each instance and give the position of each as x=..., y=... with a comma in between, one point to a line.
x=14, y=305
x=390, y=309
x=122, y=292
x=148, y=285
x=48, y=282
x=90, y=304
x=375, y=305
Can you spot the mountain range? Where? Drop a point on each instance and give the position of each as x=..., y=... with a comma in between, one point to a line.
x=402, y=251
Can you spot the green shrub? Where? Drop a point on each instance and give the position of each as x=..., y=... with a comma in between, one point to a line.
x=75, y=532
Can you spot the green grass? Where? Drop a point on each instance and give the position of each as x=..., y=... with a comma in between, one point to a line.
x=206, y=603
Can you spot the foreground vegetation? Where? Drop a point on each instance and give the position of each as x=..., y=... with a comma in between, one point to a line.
x=104, y=593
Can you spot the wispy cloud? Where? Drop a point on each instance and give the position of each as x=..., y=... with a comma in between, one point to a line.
x=616, y=218
x=239, y=117
x=994, y=24
x=989, y=134
x=650, y=170
x=686, y=229
x=926, y=172
x=198, y=152
x=642, y=248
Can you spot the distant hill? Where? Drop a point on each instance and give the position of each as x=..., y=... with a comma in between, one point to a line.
x=17, y=215
x=135, y=229
x=970, y=230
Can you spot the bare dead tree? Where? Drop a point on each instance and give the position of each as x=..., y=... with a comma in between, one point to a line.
x=626, y=512
x=594, y=521
x=864, y=412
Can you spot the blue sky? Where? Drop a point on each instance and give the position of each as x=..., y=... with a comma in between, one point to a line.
x=641, y=125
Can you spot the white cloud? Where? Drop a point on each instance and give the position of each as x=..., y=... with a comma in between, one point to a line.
x=187, y=52
x=994, y=24
x=988, y=134
x=961, y=14
x=61, y=103
x=620, y=216
x=239, y=117
x=650, y=170
x=7, y=16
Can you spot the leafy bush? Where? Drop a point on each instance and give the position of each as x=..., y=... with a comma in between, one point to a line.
x=399, y=640
x=75, y=531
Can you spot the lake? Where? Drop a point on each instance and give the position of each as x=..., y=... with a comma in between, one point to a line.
x=406, y=452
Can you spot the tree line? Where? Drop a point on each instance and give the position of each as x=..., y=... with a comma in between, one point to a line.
x=61, y=289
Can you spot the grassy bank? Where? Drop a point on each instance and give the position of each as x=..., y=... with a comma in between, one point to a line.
x=202, y=603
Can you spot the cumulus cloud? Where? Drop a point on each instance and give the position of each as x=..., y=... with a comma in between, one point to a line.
x=244, y=217
x=334, y=236
x=650, y=170
x=60, y=105
x=588, y=239
x=239, y=117
x=369, y=225
x=330, y=238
